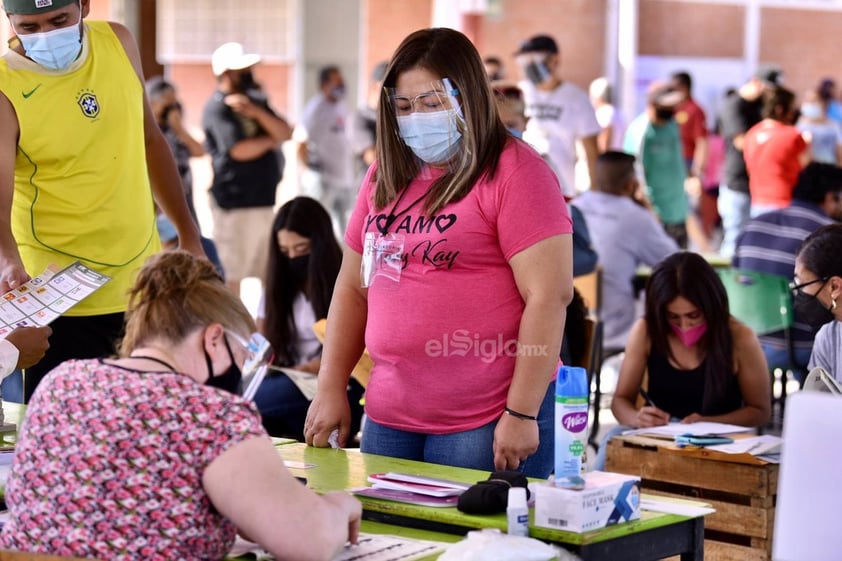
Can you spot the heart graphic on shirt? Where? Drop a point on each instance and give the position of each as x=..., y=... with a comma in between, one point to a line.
x=444, y=222
x=382, y=222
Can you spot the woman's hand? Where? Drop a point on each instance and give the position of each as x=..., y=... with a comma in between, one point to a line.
x=327, y=412
x=351, y=507
x=692, y=418
x=649, y=416
x=514, y=441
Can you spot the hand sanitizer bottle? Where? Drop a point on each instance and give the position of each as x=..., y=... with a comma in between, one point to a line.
x=517, y=512
x=571, y=424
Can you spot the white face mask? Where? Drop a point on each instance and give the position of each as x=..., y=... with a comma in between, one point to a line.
x=433, y=137
x=812, y=110
x=56, y=49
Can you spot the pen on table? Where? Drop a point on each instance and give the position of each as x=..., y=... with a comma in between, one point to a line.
x=645, y=395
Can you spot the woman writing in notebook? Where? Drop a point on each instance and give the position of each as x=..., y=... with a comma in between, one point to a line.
x=151, y=455
x=702, y=364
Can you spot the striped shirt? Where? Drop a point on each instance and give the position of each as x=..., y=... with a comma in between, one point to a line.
x=769, y=244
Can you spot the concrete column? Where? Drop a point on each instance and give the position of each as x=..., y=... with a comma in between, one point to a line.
x=627, y=33
x=751, y=48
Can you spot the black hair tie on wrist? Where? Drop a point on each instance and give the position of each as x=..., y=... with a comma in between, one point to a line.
x=521, y=416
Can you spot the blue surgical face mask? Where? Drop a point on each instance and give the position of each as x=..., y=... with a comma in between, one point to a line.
x=56, y=49
x=433, y=137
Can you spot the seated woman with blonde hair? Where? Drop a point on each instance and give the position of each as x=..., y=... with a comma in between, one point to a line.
x=151, y=455
x=702, y=363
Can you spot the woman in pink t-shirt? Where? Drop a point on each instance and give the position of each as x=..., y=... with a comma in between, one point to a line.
x=461, y=238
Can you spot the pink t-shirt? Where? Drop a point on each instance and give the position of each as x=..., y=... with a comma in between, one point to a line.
x=109, y=465
x=443, y=339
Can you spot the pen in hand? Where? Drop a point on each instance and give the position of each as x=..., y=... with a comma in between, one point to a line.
x=645, y=395
x=661, y=416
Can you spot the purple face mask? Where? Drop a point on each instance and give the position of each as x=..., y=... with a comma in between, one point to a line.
x=691, y=335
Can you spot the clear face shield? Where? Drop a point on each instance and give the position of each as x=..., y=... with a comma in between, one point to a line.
x=430, y=122
x=259, y=355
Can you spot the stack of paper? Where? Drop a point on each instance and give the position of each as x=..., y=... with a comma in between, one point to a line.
x=767, y=447
x=414, y=489
x=371, y=547
x=690, y=429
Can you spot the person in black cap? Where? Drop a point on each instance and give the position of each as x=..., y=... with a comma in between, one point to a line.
x=738, y=114
x=559, y=112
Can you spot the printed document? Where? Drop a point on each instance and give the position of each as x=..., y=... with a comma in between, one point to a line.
x=42, y=299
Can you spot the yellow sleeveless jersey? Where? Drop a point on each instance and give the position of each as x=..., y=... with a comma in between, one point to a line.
x=81, y=184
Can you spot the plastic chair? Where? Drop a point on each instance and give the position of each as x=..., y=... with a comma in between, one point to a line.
x=362, y=370
x=590, y=287
x=593, y=364
x=764, y=303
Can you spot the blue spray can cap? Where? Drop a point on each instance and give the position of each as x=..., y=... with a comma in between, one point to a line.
x=572, y=381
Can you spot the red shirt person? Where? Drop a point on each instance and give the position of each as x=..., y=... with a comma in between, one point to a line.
x=774, y=152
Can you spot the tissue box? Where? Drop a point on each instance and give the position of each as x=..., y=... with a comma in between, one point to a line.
x=608, y=498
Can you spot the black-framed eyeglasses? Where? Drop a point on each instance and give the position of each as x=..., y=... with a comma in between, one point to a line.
x=798, y=288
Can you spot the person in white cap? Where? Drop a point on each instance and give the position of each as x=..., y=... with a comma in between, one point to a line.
x=82, y=155
x=243, y=135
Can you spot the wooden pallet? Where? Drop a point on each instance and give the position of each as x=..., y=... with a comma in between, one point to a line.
x=742, y=489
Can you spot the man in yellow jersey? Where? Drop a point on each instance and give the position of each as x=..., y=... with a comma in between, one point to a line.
x=78, y=149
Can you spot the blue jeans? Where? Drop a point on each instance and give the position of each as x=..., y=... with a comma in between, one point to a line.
x=12, y=387
x=469, y=449
x=779, y=358
x=602, y=453
x=734, y=208
x=283, y=408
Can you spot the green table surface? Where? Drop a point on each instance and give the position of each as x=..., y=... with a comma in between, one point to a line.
x=345, y=469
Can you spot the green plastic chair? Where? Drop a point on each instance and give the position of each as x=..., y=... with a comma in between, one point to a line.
x=764, y=303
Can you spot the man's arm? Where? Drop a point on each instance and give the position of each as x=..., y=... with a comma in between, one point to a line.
x=176, y=123
x=163, y=173
x=29, y=344
x=277, y=129
x=591, y=152
x=12, y=272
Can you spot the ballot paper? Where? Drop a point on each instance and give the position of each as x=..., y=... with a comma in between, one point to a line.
x=42, y=299
x=681, y=508
x=370, y=547
x=672, y=430
x=766, y=444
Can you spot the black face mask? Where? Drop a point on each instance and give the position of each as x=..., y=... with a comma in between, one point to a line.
x=231, y=379
x=245, y=82
x=537, y=72
x=809, y=309
x=299, y=266
x=664, y=114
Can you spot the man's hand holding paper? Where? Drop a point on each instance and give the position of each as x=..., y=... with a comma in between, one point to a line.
x=31, y=342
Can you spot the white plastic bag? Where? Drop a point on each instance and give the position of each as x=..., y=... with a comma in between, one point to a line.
x=493, y=545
